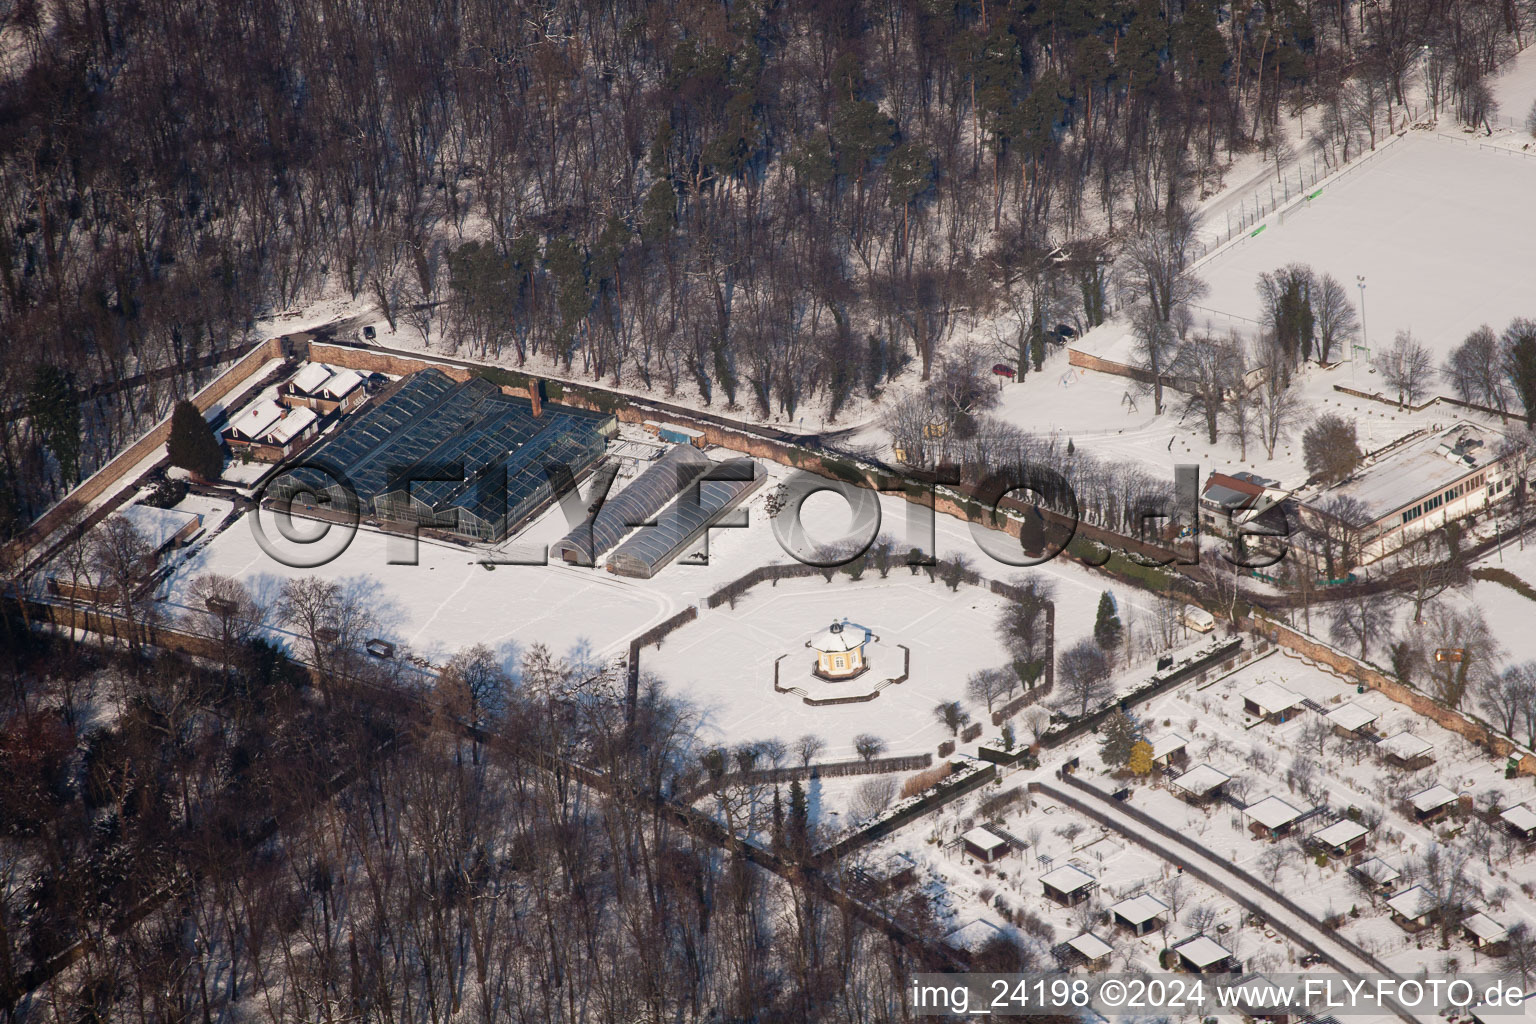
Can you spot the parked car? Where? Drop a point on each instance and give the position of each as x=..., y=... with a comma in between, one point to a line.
x=369, y=333
x=1198, y=619
x=1003, y=370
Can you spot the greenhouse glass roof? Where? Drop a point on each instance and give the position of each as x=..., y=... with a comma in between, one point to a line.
x=685, y=519
x=636, y=504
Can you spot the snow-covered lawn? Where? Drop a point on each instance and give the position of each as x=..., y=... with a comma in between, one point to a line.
x=1442, y=229
x=1092, y=410
x=1514, y=87
x=725, y=660
x=449, y=600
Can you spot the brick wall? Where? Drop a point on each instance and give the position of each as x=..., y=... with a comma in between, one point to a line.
x=114, y=472
x=1416, y=701
x=368, y=361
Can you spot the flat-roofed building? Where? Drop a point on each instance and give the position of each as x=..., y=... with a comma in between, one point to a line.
x=1405, y=750
x=1086, y=950
x=984, y=844
x=1344, y=837
x=1484, y=933
x=1204, y=955
x=1412, y=908
x=1521, y=821
x=1432, y=804
x=1170, y=750
x=1350, y=719
x=1271, y=702
x=1419, y=484
x=1378, y=873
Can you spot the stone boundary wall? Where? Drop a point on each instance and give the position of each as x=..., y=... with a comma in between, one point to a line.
x=801, y=773
x=1226, y=658
x=1416, y=701
x=369, y=361
x=949, y=789
x=951, y=501
x=1089, y=361
x=112, y=474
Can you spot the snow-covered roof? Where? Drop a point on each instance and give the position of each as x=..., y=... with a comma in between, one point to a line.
x=343, y=384
x=1272, y=812
x=1378, y=871
x=1419, y=469
x=984, y=838
x=1231, y=492
x=1202, y=951
x=1340, y=833
x=1521, y=817
x=1201, y=779
x=257, y=419
x=1433, y=798
x=1405, y=746
x=1272, y=698
x=1485, y=927
x=1351, y=716
x=1172, y=743
x=1067, y=879
x=973, y=934
x=1413, y=903
x=310, y=379
x=1139, y=909
x=158, y=526
x=840, y=636
x=291, y=426
x=1090, y=945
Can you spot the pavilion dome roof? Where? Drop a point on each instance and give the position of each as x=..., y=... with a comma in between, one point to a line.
x=840, y=636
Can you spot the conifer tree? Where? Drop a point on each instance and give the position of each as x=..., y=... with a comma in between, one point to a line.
x=192, y=445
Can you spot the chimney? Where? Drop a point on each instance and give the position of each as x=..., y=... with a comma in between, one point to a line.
x=535, y=395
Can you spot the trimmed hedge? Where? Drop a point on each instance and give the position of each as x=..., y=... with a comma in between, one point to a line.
x=1505, y=578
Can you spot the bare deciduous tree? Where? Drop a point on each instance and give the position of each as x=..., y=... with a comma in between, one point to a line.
x=1406, y=367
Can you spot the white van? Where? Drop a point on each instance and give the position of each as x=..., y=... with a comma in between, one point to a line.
x=1198, y=619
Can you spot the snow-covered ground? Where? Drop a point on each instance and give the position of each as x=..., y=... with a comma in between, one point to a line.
x=449, y=600
x=1443, y=230
x=1263, y=759
x=1514, y=87
x=1103, y=414
x=724, y=662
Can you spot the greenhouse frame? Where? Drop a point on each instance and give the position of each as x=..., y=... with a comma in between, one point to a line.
x=699, y=506
x=459, y=457
x=636, y=504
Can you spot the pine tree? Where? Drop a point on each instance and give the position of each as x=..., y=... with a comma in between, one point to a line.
x=799, y=817
x=1107, y=629
x=55, y=413
x=1117, y=736
x=192, y=445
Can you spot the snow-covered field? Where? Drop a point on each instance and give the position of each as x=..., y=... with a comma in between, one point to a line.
x=724, y=661
x=1443, y=230
x=1093, y=411
x=449, y=600
x=1514, y=87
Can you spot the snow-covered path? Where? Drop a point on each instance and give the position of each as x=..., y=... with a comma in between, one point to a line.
x=1238, y=884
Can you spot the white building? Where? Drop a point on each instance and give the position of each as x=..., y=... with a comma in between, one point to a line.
x=1424, y=482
